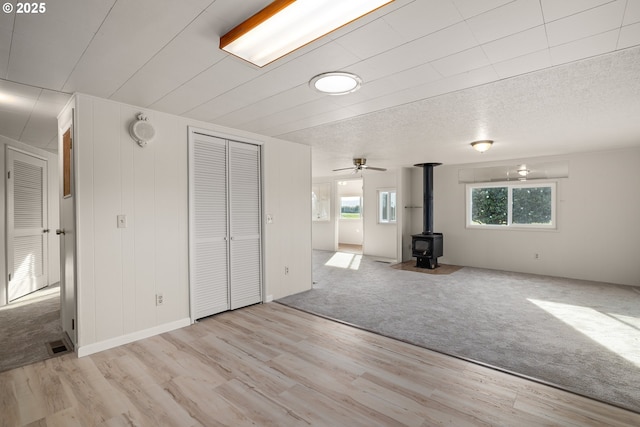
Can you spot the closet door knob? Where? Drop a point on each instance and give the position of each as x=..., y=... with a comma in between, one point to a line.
x=60, y=231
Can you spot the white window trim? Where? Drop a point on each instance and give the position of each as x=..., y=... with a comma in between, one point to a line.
x=386, y=190
x=509, y=226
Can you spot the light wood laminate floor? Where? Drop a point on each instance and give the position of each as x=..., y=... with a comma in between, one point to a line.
x=269, y=365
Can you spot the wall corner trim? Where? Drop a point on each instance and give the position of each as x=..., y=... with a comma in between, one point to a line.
x=86, y=350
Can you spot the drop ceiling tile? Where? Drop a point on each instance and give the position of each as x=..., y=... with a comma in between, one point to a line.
x=470, y=8
x=554, y=9
x=370, y=40
x=18, y=90
x=216, y=79
x=270, y=106
x=39, y=132
x=506, y=20
x=46, y=47
x=420, y=18
x=191, y=52
x=584, y=48
x=6, y=29
x=461, y=62
x=632, y=12
x=451, y=40
x=516, y=45
x=53, y=97
x=586, y=24
x=629, y=36
x=523, y=64
x=130, y=36
x=12, y=122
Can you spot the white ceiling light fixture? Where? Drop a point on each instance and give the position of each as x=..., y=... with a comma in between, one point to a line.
x=336, y=83
x=286, y=25
x=482, y=146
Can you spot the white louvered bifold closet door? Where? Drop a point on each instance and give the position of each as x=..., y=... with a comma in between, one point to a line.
x=209, y=273
x=27, y=254
x=244, y=199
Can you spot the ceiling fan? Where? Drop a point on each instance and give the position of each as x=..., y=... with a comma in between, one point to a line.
x=360, y=165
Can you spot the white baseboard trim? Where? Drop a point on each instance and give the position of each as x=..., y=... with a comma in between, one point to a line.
x=88, y=349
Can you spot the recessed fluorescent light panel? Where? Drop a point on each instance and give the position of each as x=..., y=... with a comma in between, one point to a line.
x=286, y=25
x=336, y=83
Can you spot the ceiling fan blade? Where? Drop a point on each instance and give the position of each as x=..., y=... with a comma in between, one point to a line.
x=343, y=169
x=374, y=169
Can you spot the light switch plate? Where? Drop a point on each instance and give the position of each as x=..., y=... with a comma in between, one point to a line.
x=122, y=221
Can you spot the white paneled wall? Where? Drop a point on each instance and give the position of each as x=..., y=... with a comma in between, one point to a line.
x=120, y=270
x=287, y=201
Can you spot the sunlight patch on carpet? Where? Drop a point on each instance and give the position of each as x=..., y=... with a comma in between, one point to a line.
x=344, y=260
x=607, y=329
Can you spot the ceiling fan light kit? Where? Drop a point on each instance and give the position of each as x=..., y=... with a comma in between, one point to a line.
x=286, y=25
x=360, y=164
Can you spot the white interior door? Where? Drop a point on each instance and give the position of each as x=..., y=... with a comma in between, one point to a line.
x=27, y=230
x=245, y=221
x=67, y=237
x=208, y=229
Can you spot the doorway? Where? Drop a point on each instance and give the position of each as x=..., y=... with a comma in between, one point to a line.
x=350, y=220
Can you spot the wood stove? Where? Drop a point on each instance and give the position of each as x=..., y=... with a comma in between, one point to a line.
x=427, y=246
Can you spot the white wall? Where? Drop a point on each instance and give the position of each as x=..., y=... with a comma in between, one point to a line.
x=53, y=211
x=324, y=232
x=287, y=199
x=598, y=234
x=119, y=271
x=380, y=240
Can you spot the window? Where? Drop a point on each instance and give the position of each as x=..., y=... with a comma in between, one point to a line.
x=350, y=207
x=511, y=205
x=386, y=206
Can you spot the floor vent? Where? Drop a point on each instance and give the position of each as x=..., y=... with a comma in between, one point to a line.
x=57, y=347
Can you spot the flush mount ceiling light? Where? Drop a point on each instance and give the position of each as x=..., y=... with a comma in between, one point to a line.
x=482, y=146
x=523, y=171
x=336, y=83
x=286, y=25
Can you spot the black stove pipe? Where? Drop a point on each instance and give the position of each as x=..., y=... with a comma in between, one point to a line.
x=427, y=196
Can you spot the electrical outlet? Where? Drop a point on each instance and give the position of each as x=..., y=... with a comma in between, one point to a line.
x=159, y=299
x=536, y=256
x=286, y=270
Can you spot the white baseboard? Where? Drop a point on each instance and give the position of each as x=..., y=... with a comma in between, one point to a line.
x=88, y=349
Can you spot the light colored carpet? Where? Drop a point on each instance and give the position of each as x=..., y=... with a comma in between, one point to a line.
x=581, y=336
x=27, y=326
x=441, y=269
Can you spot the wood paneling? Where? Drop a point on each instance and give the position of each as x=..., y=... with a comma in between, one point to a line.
x=273, y=365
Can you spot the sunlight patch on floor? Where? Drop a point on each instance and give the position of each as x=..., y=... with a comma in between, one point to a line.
x=344, y=260
x=612, y=331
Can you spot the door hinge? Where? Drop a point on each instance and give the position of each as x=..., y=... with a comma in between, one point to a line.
x=73, y=324
x=9, y=175
x=9, y=276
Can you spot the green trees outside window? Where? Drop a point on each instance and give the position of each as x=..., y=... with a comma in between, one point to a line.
x=512, y=205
